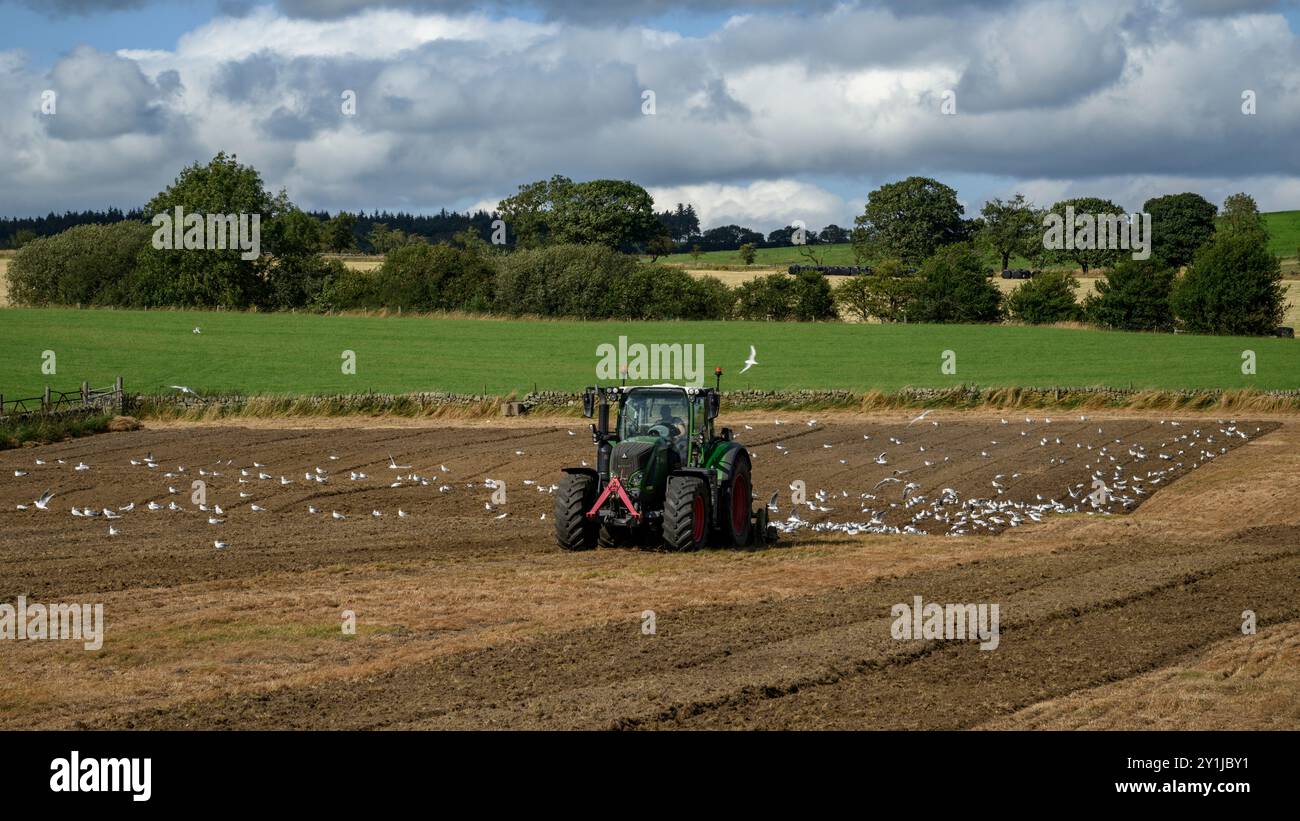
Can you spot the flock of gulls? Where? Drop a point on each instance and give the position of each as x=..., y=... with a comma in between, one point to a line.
x=902, y=496
x=253, y=481
x=901, y=501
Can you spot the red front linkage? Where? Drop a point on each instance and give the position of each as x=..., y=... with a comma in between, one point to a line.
x=614, y=484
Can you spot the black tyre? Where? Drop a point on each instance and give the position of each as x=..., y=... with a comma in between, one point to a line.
x=573, y=530
x=734, y=517
x=686, y=513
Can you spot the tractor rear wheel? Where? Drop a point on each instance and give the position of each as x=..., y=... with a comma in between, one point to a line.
x=573, y=530
x=686, y=513
x=736, y=521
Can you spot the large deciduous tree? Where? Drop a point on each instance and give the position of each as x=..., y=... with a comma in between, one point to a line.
x=953, y=287
x=614, y=213
x=1009, y=228
x=1241, y=216
x=1133, y=296
x=1087, y=211
x=909, y=220
x=1180, y=224
x=1234, y=286
x=207, y=278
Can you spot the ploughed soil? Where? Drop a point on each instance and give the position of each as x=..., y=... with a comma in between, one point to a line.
x=467, y=615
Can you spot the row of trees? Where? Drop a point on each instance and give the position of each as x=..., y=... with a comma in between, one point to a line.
x=928, y=263
x=15, y=232
x=121, y=264
x=912, y=218
x=342, y=232
x=568, y=280
x=1180, y=225
x=614, y=213
x=1233, y=285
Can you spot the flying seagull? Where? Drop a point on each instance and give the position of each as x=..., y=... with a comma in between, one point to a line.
x=183, y=389
x=751, y=362
x=43, y=503
x=919, y=418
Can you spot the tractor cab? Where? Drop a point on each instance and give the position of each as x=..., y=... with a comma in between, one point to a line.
x=679, y=416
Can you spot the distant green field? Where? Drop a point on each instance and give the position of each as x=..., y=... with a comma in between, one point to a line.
x=301, y=354
x=1283, y=228
x=1283, y=232
x=780, y=257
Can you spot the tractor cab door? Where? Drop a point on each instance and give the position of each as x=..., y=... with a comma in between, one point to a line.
x=701, y=425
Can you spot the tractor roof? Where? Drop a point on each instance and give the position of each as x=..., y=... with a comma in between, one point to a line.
x=667, y=385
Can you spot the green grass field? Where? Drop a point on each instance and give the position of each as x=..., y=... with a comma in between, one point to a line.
x=1283, y=232
x=1283, y=229
x=781, y=257
x=301, y=354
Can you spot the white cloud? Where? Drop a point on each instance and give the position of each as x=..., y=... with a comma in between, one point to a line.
x=375, y=34
x=763, y=205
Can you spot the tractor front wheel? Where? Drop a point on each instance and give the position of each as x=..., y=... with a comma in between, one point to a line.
x=573, y=530
x=686, y=513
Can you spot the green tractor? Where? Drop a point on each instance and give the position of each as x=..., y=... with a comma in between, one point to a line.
x=661, y=475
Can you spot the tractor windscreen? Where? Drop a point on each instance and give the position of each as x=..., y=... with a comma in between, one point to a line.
x=654, y=413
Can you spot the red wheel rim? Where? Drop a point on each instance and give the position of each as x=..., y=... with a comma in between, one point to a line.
x=739, y=504
x=697, y=519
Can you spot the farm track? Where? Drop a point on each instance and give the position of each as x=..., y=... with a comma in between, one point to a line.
x=479, y=622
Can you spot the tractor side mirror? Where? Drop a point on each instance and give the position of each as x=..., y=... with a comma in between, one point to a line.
x=588, y=402
x=715, y=402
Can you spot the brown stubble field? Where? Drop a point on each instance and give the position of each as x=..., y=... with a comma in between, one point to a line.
x=468, y=620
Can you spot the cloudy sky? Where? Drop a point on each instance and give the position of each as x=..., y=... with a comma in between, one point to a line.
x=764, y=112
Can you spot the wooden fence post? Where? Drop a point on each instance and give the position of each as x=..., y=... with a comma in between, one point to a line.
x=85, y=392
x=45, y=400
x=121, y=398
